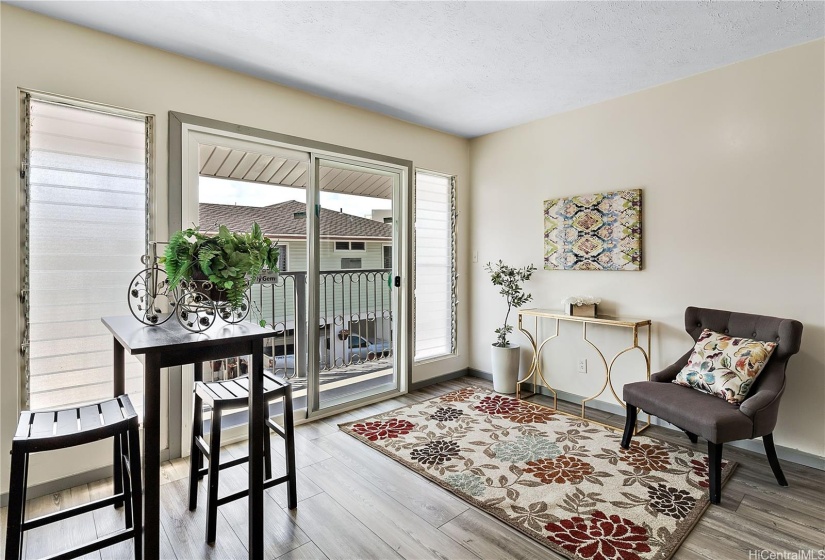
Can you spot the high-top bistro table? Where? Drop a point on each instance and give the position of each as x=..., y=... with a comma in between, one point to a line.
x=170, y=345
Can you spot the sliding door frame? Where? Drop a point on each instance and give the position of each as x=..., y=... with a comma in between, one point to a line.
x=179, y=126
x=403, y=347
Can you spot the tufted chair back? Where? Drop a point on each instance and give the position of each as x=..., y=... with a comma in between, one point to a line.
x=767, y=390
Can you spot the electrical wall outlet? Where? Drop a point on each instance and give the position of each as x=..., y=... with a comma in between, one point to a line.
x=582, y=366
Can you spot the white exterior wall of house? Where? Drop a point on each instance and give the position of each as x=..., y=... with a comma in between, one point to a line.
x=371, y=258
x=381, y=215
x=366, y=295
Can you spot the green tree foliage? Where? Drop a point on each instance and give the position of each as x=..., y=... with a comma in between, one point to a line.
x=511, y=281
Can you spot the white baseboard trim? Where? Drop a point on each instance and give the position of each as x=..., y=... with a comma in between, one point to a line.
x=415, y=385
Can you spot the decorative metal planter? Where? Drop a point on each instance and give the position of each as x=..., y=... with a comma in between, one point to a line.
x=196, y=302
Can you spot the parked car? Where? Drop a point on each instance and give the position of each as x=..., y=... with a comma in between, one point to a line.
x=362, y=349
x=282, y=362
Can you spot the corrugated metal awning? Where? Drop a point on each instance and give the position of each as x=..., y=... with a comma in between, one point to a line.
x=289, y=169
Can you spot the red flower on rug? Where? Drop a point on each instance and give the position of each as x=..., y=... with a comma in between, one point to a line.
x=647, y=456
x=560, y=470
x=600, y=537
x=531, y=414
x=458, y=396
x=700, y=469
x=498, y=405
x=387, y=429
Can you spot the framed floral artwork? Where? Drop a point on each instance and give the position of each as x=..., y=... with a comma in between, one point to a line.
x=594, y=232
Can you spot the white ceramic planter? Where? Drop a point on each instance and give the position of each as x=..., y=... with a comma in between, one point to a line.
x=505, y=363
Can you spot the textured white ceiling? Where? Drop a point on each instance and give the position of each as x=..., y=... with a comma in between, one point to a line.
x=467, y=68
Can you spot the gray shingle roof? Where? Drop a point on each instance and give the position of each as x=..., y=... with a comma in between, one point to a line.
x=279, y=220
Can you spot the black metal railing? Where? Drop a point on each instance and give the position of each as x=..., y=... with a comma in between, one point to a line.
x=355, y=321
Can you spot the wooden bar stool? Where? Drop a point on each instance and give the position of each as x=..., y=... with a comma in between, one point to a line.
x=234, y=393
x=49, y=430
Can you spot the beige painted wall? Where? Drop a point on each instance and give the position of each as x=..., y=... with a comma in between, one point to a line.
x=731, y=163
x=48, y=55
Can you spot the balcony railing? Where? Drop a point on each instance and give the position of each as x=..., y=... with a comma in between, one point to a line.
x=355, y=321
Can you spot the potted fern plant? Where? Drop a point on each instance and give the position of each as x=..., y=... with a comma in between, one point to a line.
x=223, y=264
x=505, y=356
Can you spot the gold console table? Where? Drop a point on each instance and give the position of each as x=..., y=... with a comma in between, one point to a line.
x=535, y=372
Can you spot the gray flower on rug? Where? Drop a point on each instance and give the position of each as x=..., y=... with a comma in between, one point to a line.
x=526, y=448
x=435, y=452
x=446, y=414
x=467, y=483
x=671, y=501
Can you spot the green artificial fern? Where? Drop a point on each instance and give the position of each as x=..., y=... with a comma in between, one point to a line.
x=229, y=260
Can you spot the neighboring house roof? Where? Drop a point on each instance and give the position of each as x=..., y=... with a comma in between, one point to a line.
x=279, y=221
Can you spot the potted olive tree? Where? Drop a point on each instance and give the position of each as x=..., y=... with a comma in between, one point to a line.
x=505, y=356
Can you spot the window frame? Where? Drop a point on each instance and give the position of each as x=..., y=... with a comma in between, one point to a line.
x=283, y=250
x=453, y=208
x=360, y=263
x=349, y=248
x=26, y=96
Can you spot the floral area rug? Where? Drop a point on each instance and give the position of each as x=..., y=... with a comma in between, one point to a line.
x=561, y=480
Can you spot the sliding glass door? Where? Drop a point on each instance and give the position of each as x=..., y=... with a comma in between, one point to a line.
x=335, y=304
x=354, y=307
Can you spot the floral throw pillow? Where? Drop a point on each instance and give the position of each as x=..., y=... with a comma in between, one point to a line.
x=725, y=366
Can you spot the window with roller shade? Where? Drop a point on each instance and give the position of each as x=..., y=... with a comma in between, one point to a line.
x=86, y=207
x=435, y=270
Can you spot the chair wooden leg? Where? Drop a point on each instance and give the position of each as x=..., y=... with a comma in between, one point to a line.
x=267, y=451
x=195, y=455
x=770, y=451
x=199, y=377
x=128, y=496
x=629, y=426
x=692, y=437
x=212, y=477
x=289, y=430
x=17, y=504
x=137, y=490
x=117, y=466
x=715, y=472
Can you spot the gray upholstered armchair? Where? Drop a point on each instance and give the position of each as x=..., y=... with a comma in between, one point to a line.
x=713, y=418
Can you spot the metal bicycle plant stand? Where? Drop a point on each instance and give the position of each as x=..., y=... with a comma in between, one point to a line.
x=535, y=372
x=153, y=301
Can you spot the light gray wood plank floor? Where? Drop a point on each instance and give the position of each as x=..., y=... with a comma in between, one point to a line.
x=355, y=503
